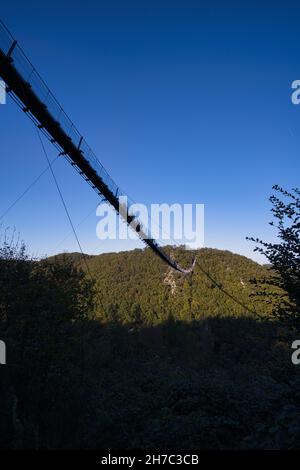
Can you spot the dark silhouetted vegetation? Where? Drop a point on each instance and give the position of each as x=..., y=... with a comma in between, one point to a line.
x=143, y=359
x=284, y=259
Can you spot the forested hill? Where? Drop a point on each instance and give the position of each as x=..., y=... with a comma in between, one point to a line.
x=136, y=286
x=172, y=363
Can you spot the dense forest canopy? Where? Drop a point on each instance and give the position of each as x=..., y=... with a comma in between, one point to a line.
x=137, y=284
x=143, y=357
x=120, y=351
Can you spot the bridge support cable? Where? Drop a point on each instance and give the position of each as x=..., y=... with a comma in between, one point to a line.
x=12, y=205
x=68, y=216
x=76, y=227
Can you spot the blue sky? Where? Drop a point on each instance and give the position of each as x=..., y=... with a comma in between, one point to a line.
x=182, y=101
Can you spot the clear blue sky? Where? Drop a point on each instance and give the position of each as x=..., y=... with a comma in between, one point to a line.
x=182, y=101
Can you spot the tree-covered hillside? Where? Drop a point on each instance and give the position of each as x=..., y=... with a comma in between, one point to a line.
x=136, y=286
x=147, y=359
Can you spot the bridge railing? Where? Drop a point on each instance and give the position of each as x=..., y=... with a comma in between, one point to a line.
x=30, y=75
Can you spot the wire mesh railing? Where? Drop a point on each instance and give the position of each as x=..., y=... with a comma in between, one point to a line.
x=41, y=90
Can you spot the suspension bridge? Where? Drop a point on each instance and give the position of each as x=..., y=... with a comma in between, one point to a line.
x=32, y=95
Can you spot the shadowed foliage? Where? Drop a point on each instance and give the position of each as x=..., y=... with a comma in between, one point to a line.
x=176, y=378
x=284, y=258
